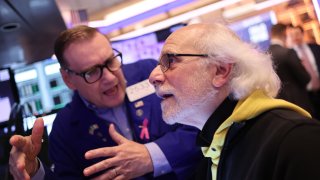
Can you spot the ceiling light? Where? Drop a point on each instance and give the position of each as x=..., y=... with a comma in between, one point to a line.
x=250, y=7
x=316, y=5
x=130, y=11
x=238, y=11
x=267, y=4
x=177, y=19
x=9, y=27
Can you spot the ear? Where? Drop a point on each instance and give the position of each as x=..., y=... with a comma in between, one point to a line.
x=222, y=74
x=67, y=79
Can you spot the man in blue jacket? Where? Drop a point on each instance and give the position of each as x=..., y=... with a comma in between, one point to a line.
x=113, y=128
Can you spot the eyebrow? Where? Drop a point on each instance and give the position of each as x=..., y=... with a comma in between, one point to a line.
x=97, y=65
x=185, y=54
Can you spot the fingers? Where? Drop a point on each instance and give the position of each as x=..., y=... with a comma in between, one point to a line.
x=18, y=141
x=19, y=175
x=37, y=132
x=107, y=151
x=101, y=152
x=116, y=136
x=17, y=159
x=113, y=174
x=22, y=160
x=17, y=164
x=100, y=166
x=36, y=137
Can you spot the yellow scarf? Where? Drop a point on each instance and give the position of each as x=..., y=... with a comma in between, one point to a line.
x=245, y=109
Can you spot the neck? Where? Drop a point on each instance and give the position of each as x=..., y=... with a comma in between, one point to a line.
x=210, y=107
x=277, y=41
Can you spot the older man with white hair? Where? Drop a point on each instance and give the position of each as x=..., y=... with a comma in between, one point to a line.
x=208, y=78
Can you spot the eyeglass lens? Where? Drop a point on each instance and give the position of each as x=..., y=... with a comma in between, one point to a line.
x=164, y=62
x=113, y=64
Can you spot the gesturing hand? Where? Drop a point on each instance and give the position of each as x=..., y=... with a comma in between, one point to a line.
x=126, y=161
x=23, y=163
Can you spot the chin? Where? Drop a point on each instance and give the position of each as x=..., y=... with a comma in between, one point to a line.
x=169, y=121
x=118, y=101
x=171, y=118
x=114, y=102
x=169, y=113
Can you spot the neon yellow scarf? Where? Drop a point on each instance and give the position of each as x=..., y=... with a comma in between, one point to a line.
x=246, y=109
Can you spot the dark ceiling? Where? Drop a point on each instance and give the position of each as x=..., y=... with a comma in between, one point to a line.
x=28, y=29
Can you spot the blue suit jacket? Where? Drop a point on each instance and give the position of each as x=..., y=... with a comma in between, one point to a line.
x=77, y=129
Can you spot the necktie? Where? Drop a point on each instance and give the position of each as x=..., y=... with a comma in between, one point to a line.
x=315, y=81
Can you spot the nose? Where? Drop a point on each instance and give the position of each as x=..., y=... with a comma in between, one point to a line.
x=156, y=77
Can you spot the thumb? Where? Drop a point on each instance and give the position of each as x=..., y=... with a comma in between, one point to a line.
x=118, y=138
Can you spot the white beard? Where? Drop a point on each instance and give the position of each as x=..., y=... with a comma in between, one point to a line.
x=192, y=107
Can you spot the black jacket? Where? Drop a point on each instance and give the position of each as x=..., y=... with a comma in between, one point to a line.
x=293, y=76
x=279, y=144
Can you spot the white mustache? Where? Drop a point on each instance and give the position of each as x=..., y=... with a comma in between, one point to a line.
x=161, y=91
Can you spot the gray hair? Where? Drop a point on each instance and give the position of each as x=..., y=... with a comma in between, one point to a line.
x=252, y=69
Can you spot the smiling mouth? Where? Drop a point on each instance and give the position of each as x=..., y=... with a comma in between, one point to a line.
x=111, y=92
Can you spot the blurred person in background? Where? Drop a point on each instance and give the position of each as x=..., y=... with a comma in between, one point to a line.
x=309, y=53
x=288, y=66
x=138, y=142
x=246, y=134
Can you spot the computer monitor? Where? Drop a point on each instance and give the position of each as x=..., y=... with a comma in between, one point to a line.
x=8, y=93
x=42, y=92
x=47, y=120
x=255, y=29
x=41, y=87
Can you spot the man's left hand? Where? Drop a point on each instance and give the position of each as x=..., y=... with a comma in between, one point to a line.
x=125, y=161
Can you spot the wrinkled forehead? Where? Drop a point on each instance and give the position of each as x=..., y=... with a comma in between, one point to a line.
x=93, y=50
x=179, y=42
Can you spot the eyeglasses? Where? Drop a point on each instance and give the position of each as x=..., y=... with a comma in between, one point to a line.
x=168, y=58
x=93, y=74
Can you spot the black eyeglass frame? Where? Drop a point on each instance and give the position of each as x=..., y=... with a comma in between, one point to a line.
x=100, y=66
x=165, y=67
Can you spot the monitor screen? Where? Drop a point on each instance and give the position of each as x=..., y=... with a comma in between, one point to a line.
x=47, y=120
x=8, y=93
x=255, y=29
x=42, y=91
x=142, y=47
x=41, y=87
x=146, y=46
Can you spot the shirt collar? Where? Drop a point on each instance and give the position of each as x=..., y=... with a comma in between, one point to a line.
x=215, y=120
x=301, y=46
x=94, y=107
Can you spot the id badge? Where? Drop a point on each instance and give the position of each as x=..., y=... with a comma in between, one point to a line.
x=140, y=90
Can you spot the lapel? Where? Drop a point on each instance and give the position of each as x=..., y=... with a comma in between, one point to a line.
x=315, y=49
x=96, y=131
x=90, y=128
x=139, y=111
